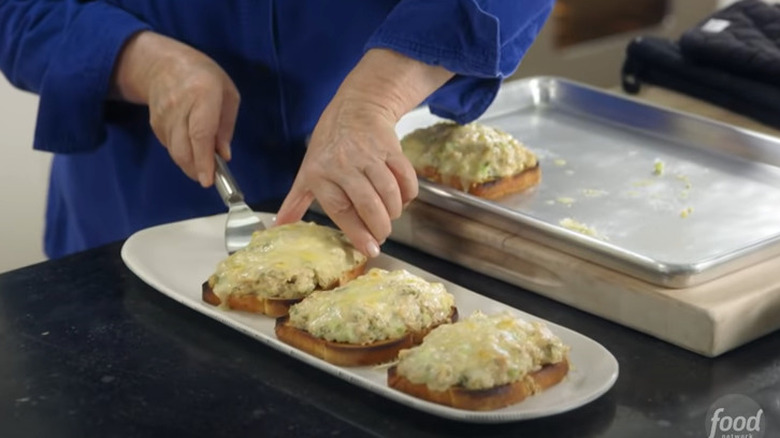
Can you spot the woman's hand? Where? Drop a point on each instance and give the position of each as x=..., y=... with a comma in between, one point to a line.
x=192, y=102
x=354, y=166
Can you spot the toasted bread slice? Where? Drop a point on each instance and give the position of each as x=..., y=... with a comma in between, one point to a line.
x=273, y=307
x=475, y=158
x=281, y=266
x=368, y=320
x=481, y=363
x=493, y=189
x=344, y=354
x=488, y=399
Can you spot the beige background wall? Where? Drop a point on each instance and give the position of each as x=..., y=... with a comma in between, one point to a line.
x=23, y=180
x=599, y=61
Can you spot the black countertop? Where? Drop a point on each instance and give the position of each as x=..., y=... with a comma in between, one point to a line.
x=89, y=350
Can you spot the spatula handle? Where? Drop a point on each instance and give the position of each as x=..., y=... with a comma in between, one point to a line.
x=226, y=184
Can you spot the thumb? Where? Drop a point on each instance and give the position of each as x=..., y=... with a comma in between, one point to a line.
x=295, y=204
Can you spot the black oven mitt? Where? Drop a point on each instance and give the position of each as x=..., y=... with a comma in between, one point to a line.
x=725, y=64
x=743, y=39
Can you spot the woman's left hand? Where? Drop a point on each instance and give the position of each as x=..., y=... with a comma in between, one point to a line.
x=355, y=168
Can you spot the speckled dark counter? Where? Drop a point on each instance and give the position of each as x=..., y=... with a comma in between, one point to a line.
x=89, y=350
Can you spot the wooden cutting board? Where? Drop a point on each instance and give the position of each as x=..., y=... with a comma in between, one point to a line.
x=709, y=319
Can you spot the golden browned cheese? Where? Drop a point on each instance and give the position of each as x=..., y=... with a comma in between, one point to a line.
x=481, y=352
x=474, y=153
x=288, y=262
x=376, y=306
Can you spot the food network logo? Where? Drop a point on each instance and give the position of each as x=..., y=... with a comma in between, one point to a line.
x=735, y=416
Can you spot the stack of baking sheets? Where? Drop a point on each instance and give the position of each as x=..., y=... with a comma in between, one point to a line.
x=659, y=220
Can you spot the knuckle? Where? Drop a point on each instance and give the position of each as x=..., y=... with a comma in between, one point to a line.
x=409, y=192
x=371, y=211
x=384, y=230
x=198, y=84
x=395, y=211
x=334, y=202
x=232, y=93
x=164, y=104
x=201, y=135
x=381, y=231
x=313, y=171
x=409, y=189
x=339, y=204
x=368, y=203
x=392, y=202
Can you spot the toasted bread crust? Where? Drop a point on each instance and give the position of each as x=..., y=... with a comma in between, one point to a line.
x=273, y=307
x=483, y=399
x=491, y=189
x=343, y=354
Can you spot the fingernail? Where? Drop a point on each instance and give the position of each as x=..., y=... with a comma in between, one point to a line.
x=373, y=249
x=228, y=152
x=204, y=180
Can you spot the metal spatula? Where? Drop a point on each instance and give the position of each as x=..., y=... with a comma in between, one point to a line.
x=241, y=220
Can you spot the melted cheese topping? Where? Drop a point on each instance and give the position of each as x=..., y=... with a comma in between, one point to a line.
x=475, y=153
x=376, y=306
x=287, y=261
x=480, y=352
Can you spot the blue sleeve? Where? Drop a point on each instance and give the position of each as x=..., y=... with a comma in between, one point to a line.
x=64, y=50
x=482, y=42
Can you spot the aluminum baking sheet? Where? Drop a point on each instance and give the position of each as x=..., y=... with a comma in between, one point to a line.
x=715, y=207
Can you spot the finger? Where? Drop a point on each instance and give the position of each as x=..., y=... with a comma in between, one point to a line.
x=340, y=209
x=181, y=150
x=295, y=203
x=162, y=124
x=203, y=123
x=166, y=110
x=366, y=202
x=405, y=176
x=386, y=186
x=159, y=127
x=227, y=121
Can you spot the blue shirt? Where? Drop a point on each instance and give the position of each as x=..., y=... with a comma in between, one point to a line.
x=110, y=176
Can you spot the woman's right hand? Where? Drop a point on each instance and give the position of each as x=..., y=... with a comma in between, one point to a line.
x=193, y=104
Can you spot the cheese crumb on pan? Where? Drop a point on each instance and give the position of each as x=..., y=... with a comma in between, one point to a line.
x=685, y=179
x=481, y=352
x=643, y=183
x=594, y=193
x=658, y=167
x=565, y=200
x=581, y=228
